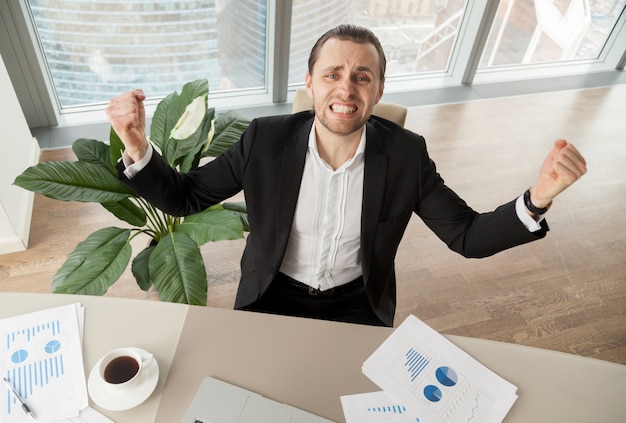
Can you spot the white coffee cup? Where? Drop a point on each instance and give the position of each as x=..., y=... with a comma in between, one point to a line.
x=121, y=368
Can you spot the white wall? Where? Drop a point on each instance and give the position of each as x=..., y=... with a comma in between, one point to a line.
x=19, y=151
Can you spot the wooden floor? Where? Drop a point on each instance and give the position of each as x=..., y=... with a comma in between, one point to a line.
x=566, y=292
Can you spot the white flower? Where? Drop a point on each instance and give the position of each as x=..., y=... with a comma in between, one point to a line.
x=191, y=119
x=210, y=136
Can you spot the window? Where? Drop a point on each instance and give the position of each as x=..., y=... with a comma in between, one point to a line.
x=96, y=49
x=63, y=55
x=541, y=31
x=417, y=35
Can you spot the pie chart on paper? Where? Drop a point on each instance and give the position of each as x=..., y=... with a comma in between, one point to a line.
x=432, y=393
x=446, y=376
x=19, y=356
x=53, y=346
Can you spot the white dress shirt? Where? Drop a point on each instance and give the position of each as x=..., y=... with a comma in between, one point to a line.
x=325, y=239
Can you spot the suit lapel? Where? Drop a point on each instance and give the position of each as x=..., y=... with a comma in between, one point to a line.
x=290, y=178
x=374, y=181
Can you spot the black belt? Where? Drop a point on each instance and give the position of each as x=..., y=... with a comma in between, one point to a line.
x=315, y=292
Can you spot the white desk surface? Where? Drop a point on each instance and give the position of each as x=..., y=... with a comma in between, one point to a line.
x=310, y=363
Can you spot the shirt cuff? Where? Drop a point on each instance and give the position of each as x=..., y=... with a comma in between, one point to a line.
x=133, y=168
x=531, y=224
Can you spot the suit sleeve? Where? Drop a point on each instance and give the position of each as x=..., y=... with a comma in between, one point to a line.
x=464, y=230
x=182, y=194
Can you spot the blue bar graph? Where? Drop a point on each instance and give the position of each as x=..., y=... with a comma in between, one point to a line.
x=408, y=366
x=395, y=409
x=29, y=334
x=390, y=413
x=415, y=363
x=27, y=378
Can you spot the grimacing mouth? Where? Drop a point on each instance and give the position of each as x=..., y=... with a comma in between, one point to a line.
x=343, y=108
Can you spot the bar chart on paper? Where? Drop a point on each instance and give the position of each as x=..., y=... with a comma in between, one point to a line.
x=408, y=366
x=375, y=407
x=41, y=357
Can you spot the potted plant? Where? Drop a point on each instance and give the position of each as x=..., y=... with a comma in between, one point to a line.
x=184, y=130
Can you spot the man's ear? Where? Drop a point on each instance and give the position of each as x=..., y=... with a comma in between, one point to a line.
x=307, y=84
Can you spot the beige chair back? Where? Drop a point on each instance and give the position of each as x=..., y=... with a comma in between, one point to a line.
x=390, y=111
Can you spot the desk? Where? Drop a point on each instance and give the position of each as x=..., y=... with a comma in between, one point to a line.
x=111, y=323
x=310, y=363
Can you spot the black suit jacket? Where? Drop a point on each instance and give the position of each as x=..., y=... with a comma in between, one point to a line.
x=400, y=179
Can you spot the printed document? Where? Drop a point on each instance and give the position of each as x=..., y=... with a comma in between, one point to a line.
x=434, y=379
x=41, y=357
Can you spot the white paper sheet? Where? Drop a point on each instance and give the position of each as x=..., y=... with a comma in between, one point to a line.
x=436, y=380
x=41, y=356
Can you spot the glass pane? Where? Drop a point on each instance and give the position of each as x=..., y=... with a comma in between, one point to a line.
x=96, y=49
x=540, y=31
x=417, y=35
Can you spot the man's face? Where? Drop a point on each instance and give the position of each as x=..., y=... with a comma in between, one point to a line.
x=345, y=85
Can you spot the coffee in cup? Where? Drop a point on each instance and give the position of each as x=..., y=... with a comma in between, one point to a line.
x=121, y=367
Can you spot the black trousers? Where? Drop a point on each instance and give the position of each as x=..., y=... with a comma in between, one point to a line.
x=346, y=303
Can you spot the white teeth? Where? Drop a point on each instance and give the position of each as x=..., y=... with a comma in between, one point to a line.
x=342, y=109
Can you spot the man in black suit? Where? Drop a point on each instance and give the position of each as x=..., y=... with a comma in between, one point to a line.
x=330, y=193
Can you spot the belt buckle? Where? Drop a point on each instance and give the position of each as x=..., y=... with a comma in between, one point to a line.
x=313, y=291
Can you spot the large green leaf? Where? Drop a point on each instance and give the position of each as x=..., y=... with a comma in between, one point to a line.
x=236, y=206
x=95, y=264
x=228, y=129
x=140, y=268
x=163, y=122
x=192, y=90
x=116, y=147
x=73, y=181
x=177, y=270
x=240, y=209
x=127, y=211
x=212, y=225
x=167, y=113
x=186, y=152
x=94, y=152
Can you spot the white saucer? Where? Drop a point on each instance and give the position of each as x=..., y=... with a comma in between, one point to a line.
x=124, y=399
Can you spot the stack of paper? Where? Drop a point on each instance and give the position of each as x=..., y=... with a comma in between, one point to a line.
x=426, y=378
x=41, y=358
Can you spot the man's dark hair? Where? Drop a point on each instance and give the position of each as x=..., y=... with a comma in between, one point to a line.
x=355, y=34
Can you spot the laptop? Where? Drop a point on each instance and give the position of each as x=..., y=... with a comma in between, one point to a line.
x=217, y=401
